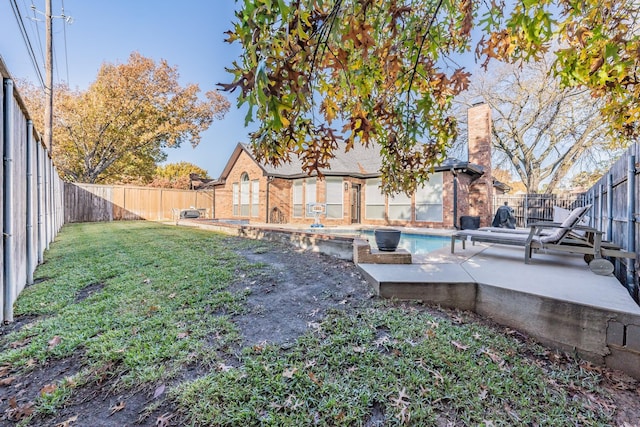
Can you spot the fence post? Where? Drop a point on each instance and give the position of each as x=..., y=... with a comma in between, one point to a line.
x=631, y=234
x=7, y=226
x=600, y=207
x=526, y=210
x=29, y=242
x=610, y=207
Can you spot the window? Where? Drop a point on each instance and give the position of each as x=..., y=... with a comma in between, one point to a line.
x=297, y=198
x=400, y=207
x=244, y=195
x=334, y=198
x=255, y=198
x=236, y=199
x=374, y=200
x=429, y=200
x=310, y=194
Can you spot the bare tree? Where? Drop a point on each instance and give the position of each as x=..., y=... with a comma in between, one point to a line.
x=540, y=130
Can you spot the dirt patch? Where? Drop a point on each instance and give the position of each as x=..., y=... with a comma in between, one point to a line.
x=288, y=294
x=89, y=290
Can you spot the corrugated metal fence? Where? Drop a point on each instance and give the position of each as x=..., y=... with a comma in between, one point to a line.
x=92, y=202
x=31, y=195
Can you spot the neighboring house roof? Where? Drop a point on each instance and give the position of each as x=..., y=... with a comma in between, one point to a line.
x=359, y=162
x=501, y=186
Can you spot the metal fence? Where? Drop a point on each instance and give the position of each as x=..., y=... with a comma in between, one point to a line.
x=530, y=208
x=31, y=194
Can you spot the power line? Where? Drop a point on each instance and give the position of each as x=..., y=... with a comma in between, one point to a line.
x=65, y=21
x=27, y=42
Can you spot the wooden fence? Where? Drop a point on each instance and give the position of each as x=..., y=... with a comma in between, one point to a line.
x=94, y=203
x=616, y=211
x=31, y=195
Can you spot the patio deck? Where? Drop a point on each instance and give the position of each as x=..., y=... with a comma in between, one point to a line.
x=556, y=299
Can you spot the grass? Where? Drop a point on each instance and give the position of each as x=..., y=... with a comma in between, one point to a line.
x=161, y=302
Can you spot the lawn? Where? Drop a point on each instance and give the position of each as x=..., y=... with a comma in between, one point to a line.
x=143, y=322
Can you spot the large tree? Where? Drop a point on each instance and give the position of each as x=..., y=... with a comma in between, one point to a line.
x=322, y=75
x=541, y=130
x=116, y=130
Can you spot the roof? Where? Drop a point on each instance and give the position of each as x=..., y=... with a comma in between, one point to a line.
x=359, y=162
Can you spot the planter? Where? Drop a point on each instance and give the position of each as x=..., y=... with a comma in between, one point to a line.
x=387, y=239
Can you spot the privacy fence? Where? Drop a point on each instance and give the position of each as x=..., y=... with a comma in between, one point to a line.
x=94, y=203
x=31, y=195
x=614, y=211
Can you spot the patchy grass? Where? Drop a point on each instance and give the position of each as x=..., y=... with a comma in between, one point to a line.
x=138, y=304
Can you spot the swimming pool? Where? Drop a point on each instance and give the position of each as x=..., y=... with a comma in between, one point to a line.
x=415, y=243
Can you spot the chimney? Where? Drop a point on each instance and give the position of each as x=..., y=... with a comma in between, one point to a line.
x=479, y=135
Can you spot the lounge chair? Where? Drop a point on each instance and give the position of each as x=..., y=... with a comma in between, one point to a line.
x=561, y=239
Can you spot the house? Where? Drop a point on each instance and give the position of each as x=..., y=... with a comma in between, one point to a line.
x=349, y=192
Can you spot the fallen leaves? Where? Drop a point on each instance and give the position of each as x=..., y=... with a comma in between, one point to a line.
x=48, y=389
x=459, y=345
x=402, y=403
x=7, y=381
x=20, y=343
x=163, y=420
x=159, y=391
x=117, y=407
x=67, y=423
x=17, y=412
x=54, y=342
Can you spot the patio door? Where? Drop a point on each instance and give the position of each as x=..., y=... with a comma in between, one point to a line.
x=355, y=203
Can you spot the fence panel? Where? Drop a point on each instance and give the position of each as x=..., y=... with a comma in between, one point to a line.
x=617, y=213
x=31, y=197
x=92, y=202
x=530, y=208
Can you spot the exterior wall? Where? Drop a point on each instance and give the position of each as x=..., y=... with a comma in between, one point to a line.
x=481, y=190
x=224, y=193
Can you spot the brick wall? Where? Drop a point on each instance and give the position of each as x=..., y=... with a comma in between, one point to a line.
x=480, y=190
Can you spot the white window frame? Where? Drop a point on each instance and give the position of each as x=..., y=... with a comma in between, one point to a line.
x=245, y=197
x=310, y=194
x=334, y=197
x=428, y=200
x=296, y=198
x=255, y=198
x=400, y=204
x=235, y=191
x=373, y=199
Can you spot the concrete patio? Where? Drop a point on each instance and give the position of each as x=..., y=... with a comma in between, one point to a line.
x=556, y=299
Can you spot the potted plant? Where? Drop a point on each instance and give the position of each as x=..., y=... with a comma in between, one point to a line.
x=387, y=239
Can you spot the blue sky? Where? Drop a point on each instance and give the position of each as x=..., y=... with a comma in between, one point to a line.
x=188, y=34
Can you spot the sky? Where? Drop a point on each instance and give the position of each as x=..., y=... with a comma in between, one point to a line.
x=188, y=34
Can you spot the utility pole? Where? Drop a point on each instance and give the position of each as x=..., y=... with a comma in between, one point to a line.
x=48, y=90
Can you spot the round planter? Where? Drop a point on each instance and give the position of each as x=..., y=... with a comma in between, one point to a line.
x=387, y=239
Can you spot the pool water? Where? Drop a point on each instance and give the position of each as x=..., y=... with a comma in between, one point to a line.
x=414, y=243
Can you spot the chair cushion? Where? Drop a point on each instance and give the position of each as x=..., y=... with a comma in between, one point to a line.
x=569, y=222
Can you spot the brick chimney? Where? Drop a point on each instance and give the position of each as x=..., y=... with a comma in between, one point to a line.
x=479, y=135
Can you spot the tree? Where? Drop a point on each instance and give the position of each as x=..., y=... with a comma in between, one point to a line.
x=384, y=71
x=177, y=175
x=541, y=130
x=116, y=130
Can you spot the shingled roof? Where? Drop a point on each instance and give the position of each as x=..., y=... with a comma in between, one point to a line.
x=359, y=162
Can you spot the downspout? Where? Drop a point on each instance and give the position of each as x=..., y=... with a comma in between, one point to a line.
x=7, y=314
x=29, y=243
x=455, y=198
x=631, y=235
x=267, y=201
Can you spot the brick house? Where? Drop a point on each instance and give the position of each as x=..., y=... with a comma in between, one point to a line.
x=254, y=192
